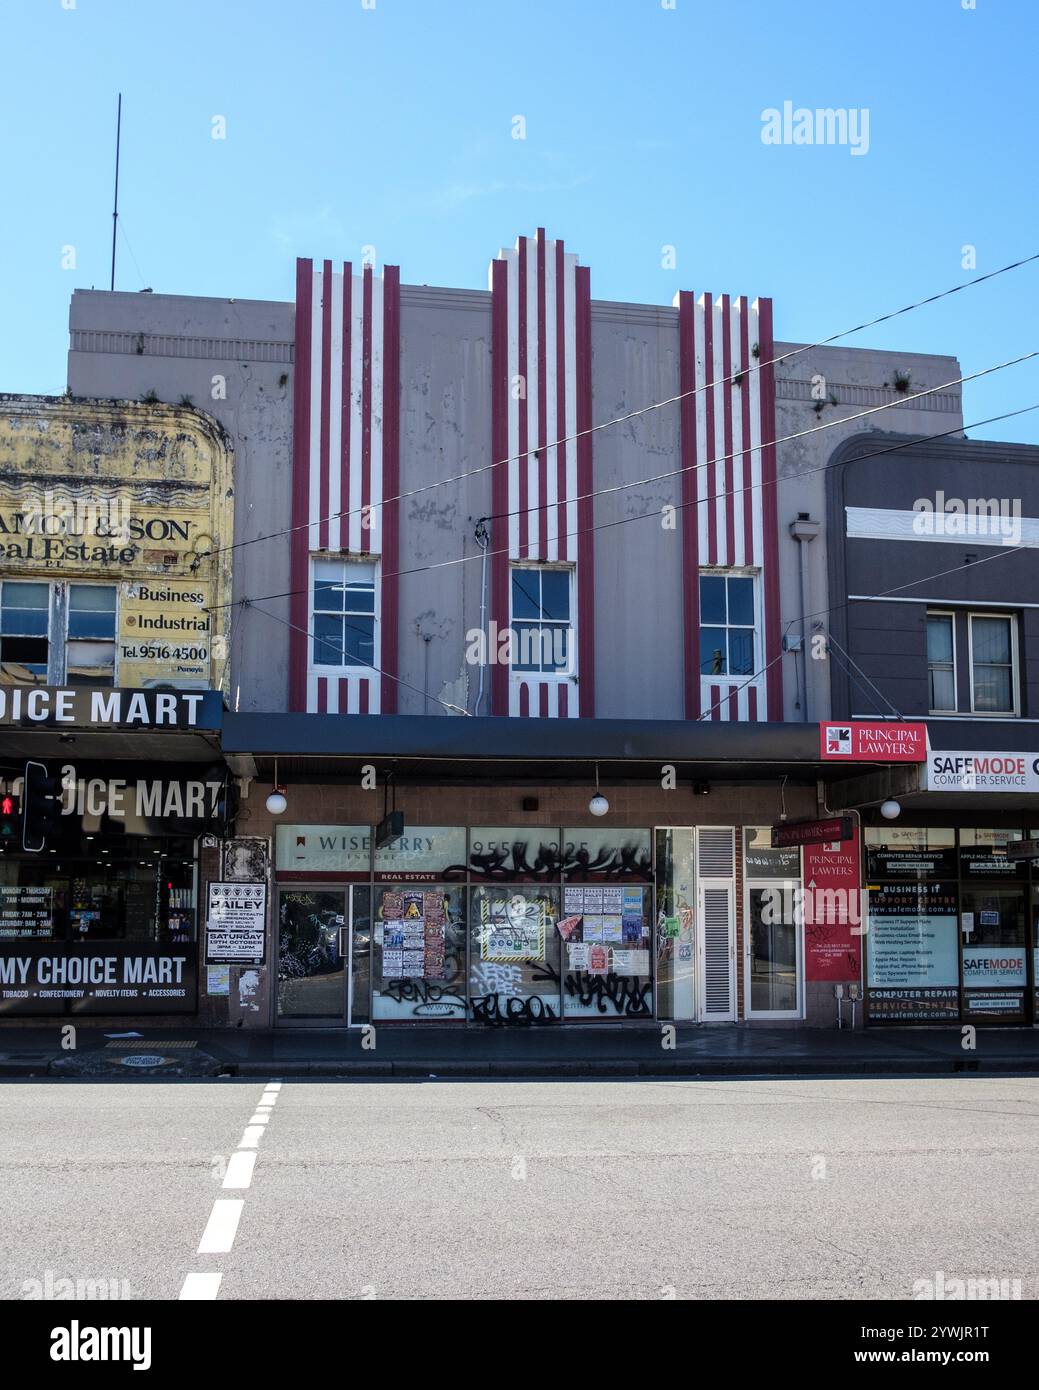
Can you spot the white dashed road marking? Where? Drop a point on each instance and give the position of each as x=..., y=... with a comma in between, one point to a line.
x=219, y=1234
x=222, y=1227
x=200, y=1286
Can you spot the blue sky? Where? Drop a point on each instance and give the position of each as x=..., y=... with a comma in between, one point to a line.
x=393, y=127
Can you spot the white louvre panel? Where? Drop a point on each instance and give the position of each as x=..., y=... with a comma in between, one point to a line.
x=715, y=854
x=716, y=913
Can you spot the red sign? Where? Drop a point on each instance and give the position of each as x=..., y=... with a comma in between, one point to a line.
x=833, y=911
x=883, y=742
x=790, y=834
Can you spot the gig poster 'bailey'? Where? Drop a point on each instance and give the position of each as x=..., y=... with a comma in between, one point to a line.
x=136, y=496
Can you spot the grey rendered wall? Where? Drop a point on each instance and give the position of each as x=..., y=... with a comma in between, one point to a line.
x=860, y=379
x=445, y=431
x=960, y=571
x=639, y=668
x=125, y=345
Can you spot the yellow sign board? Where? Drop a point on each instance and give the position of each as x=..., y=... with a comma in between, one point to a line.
x=134, y=497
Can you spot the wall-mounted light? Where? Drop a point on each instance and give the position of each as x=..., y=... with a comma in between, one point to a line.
x=598, y=804
x=277, y=803
x=890, y=809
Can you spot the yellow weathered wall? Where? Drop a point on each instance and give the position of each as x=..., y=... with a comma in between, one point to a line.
x=133, y=494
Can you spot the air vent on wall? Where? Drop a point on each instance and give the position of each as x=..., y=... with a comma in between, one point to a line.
x=715, y=856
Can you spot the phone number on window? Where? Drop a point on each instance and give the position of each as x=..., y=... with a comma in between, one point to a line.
x=165, y=653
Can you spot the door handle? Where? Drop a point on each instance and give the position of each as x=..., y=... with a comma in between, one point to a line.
x=342, y=943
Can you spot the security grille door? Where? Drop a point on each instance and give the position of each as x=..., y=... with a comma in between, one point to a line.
x=716, y=900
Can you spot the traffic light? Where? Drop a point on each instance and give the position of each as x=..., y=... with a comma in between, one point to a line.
x=41, y=806
x=10, y=820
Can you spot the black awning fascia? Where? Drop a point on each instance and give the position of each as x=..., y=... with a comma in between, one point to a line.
x=456, y=739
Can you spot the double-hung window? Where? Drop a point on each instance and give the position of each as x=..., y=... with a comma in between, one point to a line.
x=542, y=620
x=90, y=635
x=344, y=616
x=941, y=663
x=728, y=645
x=993, y=644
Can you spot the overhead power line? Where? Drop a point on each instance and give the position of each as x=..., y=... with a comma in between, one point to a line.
x=642, y=410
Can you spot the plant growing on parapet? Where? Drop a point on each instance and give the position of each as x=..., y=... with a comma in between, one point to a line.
x=755, y=351
x=737, y=380
x=833, y=398
x=283, y=380
x=818, y=407
x=150, y=398
x=902, y=382
x=186, y=400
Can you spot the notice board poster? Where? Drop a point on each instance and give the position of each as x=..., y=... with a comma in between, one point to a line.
x=914, y=968
x=832, y=911
x=512, y=929
x=414, y=934
x=236, y=924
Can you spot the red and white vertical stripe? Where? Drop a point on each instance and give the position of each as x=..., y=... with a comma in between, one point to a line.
x=346, y=461
x=542, y=399
x=730, y=519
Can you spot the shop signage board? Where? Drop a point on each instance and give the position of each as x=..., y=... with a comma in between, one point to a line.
x=138, y=496
x=323, y=851
x=974, y=770
x=806, y=832
x=1023, y=849
x=48, y=977
x=887, y=741
x=120, y=708
x=236, y=923
x=833, y=929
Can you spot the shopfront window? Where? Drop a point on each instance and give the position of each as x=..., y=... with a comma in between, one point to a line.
x=419, y=952
x=774, y=925
x=948, y=927
x=514, y=946
x=675, y=919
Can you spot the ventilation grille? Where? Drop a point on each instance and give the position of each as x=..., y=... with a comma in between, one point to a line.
x=717, y=993
x=715, y=856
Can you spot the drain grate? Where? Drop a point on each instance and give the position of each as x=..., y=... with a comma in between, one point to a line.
x=150, y=1045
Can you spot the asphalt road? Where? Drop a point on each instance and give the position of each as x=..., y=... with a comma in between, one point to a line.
x=710, y=1189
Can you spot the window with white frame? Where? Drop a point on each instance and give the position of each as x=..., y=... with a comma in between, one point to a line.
x=344, y=617
x=58, y=633
x=542, y=619
x=728, y=624
x=941, y=662
x=993, y=660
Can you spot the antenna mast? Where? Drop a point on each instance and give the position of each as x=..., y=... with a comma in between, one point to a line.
x=115, y=208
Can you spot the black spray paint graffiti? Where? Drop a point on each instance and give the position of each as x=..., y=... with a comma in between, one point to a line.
x=430, y=1000
x=626, y=993
x=507, y=863
x=497, y=1010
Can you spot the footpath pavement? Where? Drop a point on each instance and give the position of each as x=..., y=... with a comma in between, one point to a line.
x=632, y=1050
